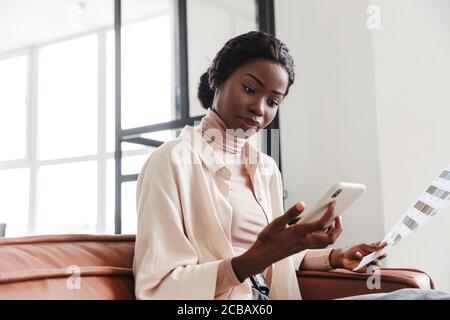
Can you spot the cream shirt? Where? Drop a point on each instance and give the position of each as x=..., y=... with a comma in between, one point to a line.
x=184, y=223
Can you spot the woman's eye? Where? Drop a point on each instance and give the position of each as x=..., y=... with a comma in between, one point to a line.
x=248, y=89
x=272, y=103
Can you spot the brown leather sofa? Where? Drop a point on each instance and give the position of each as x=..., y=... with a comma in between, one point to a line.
x=99, y=267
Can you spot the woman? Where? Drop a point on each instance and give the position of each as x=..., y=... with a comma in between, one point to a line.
x=211, y=221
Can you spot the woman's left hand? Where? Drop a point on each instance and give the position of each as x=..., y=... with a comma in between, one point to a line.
x=350, y=258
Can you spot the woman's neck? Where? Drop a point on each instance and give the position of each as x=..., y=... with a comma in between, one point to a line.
x=214, y=130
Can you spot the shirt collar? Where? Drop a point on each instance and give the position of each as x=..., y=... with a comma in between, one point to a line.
x=210, y=158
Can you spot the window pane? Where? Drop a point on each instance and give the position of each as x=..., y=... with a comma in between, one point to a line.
x=110, y=92
x=110, y=196
x=164, y=135
x=134, y=164
x=147, y=55
x=127, y=146
x=28, y=23
x=14, y=190
x=129, y=211
x=67, y=105
x=210, y=25
x=67, y=198
x=161, y=136
x=13, y=108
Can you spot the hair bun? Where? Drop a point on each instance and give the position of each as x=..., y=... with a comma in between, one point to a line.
x=204, y=92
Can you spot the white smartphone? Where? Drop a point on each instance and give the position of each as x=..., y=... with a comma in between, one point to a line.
x=344, y=193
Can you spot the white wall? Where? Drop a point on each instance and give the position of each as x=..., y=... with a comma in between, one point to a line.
x=412, y=77
x=328, y=123
x=370, y=106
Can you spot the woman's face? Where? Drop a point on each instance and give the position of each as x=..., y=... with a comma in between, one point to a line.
x=250, y=97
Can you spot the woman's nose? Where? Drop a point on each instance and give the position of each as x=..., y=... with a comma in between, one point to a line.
x=258, y=107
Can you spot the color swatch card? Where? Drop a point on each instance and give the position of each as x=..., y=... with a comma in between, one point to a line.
x=435, y=197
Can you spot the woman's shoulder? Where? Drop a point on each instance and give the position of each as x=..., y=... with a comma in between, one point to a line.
x=266, y=159
x=267, y=164
x=168, y=154
x=165, y=150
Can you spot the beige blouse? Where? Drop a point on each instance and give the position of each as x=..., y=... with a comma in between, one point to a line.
x=248, y=218
x=195, y=213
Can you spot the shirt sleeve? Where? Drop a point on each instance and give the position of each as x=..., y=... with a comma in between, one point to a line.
x=226, y=277
x=166, y=264
x=317, y=259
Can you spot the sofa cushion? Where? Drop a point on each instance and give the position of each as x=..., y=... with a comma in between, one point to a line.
x=341, y=283
x=67, y=267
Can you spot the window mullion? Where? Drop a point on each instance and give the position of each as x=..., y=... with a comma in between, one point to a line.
x=118, y=116
x=32, y=123
x=101, y=136
x=181, y=61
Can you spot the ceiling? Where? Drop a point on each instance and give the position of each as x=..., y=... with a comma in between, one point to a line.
x=25, y=23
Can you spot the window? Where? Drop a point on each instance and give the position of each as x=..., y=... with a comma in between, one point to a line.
x=146, y=88
x=67, y=99
x=14, y=191
x=223, y=19
x=53, y=113
x=57, y=163
x=13, y=112
x=146, y=72
x=67, y=196
x=67, y=135
x=14, y=176
x=57, y=102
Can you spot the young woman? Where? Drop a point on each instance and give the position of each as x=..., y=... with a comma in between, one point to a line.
x=211, y=223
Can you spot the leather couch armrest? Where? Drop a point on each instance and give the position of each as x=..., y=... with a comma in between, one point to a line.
x=341, y=283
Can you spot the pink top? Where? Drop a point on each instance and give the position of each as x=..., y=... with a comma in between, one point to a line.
x=248, y=217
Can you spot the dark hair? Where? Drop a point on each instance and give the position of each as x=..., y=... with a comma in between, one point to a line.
x=237, y=52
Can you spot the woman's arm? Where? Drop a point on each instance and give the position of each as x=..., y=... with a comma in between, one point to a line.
x=336, y=258
x=166, y=264
x=226, y=277
x=318, y=259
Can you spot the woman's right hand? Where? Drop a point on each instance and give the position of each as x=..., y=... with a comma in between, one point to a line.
x=279, y=240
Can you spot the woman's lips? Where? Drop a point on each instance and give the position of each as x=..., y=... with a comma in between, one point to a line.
x=246, y=124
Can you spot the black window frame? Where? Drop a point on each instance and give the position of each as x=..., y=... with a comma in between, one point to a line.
x=265, y=16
